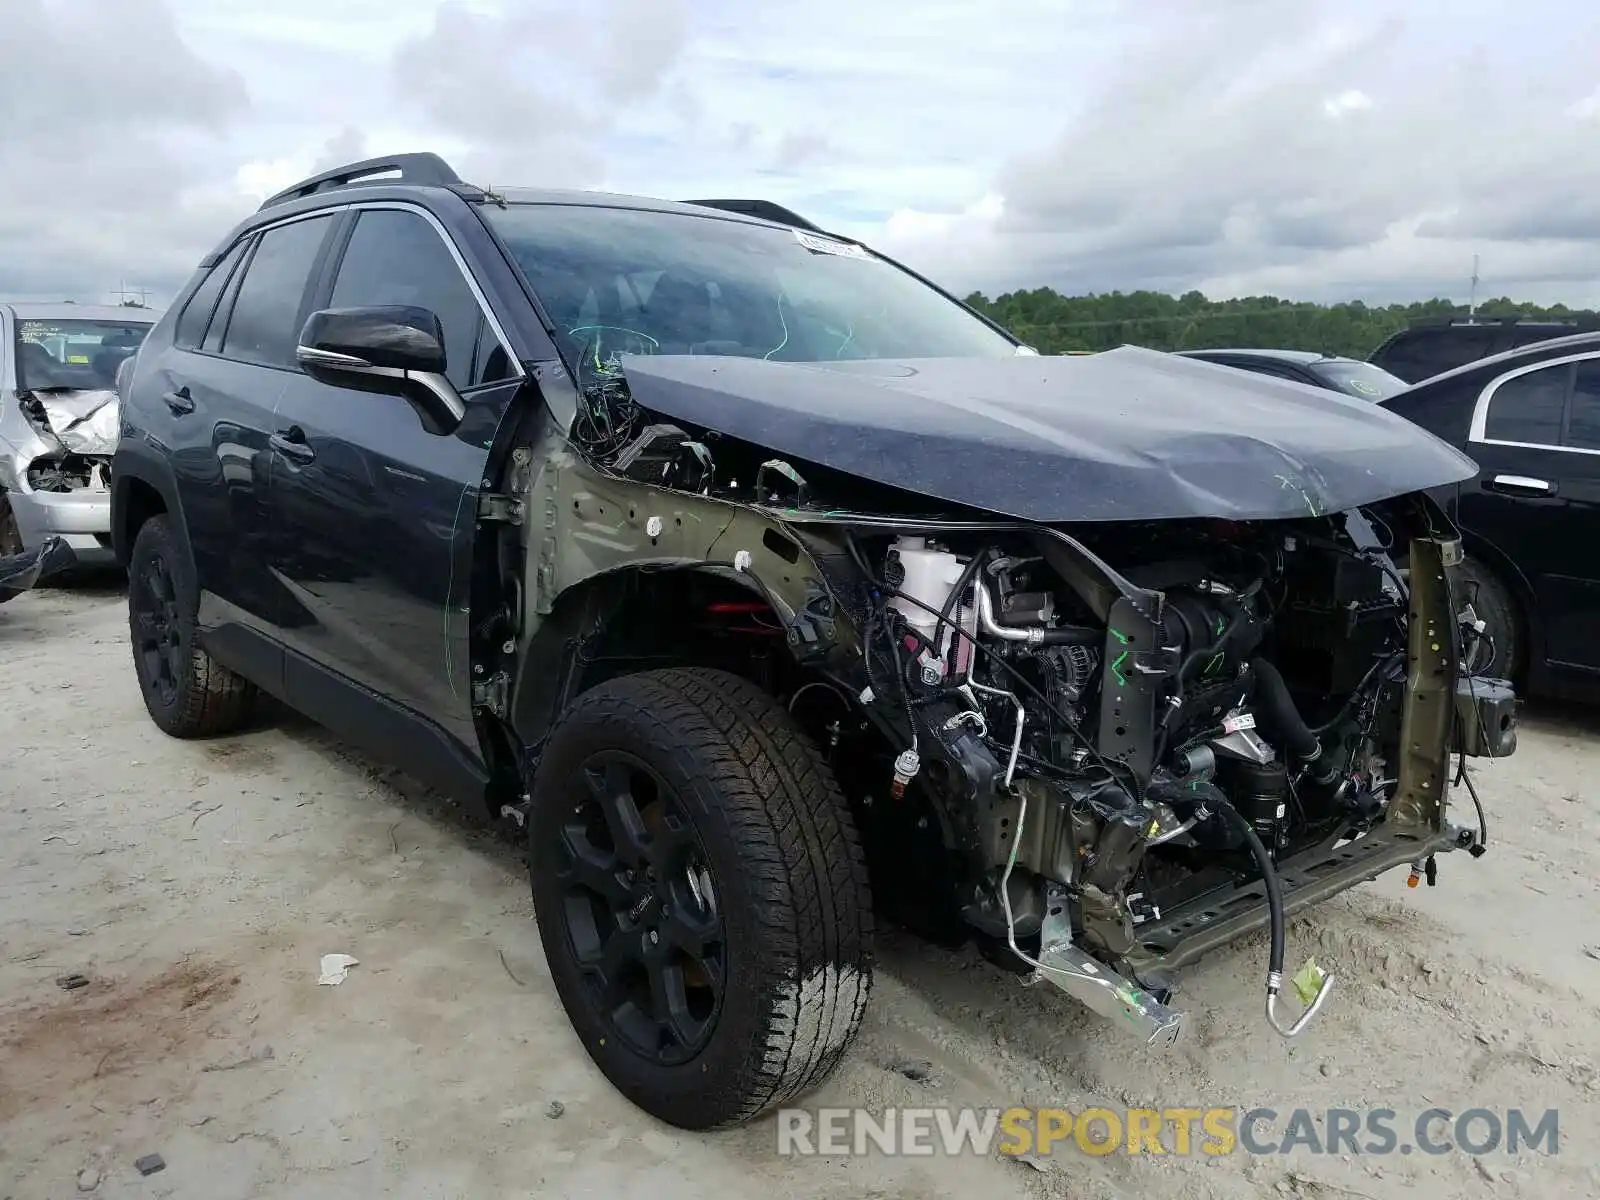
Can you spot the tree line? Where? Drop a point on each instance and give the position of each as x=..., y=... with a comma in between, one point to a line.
x=1053, y=323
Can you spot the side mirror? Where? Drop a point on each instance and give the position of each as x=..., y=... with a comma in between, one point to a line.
x=397, y=349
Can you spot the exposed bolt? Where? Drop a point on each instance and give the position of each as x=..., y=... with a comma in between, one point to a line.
x=509, y=646
x=654, y=937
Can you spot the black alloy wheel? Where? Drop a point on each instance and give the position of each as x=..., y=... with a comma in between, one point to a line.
x=701, y=894
x=186, y=692
x=641, y=910
x=157, y=632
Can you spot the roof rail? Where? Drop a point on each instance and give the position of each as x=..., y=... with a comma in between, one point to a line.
x=1574, y=320
x=766, y=210
x=423, y=168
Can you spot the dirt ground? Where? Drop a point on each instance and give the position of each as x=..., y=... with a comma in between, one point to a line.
x=196, y=886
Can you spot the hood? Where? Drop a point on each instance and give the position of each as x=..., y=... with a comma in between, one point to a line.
x=1127, y=435
x=83, y=421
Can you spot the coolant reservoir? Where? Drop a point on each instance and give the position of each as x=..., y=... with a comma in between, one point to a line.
x=930, y=575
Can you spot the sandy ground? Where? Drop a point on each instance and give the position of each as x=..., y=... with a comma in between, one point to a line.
x=197, y=885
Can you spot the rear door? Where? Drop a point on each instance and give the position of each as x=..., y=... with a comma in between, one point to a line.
x=232, y=357
x=1535, y=435
x=375, y=515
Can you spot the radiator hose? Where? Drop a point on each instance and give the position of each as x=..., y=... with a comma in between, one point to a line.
x=1275, y=912
x=1274, y=702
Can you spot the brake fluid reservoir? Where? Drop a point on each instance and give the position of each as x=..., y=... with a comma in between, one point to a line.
x=930, y=575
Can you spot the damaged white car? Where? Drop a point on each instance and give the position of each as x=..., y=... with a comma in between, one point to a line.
x=58, y=422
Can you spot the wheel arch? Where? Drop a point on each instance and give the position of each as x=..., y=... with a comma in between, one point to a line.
x=143, y=486
x=636, y=617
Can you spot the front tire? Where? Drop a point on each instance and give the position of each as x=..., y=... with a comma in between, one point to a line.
x=187, y=693
x=701, y=894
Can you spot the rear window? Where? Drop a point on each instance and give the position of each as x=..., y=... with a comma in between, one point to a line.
x=1527, y=335
x=1418, y=354
x=1583, y=422
x=1529, y=408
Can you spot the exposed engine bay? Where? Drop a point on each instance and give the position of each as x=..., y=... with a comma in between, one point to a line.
x=1115, y=768
x=77, y=432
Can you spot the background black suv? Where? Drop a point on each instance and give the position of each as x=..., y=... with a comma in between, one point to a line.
x=1434, y=345
x=1530, y=520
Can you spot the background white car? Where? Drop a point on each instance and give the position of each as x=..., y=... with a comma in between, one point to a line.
x=58, y=421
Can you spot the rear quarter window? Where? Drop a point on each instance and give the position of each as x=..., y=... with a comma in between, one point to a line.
x=1529, y=408
x=196, y=316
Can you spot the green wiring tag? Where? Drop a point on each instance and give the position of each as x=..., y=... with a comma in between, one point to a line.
x=1307, y=981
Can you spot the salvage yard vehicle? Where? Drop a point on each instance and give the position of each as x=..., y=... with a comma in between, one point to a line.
x=58, y=422
x=768, y=588
x=1333, y=371
x=1530, y=515
x=1430, y=346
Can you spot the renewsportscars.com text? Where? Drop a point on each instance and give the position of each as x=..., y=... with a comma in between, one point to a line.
x=1154, y=1131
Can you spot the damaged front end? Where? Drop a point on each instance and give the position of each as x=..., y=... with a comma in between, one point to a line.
x=1100, y=747
x=56, y=468
x=76, y=434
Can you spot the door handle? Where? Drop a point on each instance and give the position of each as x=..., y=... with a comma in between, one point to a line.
x=292, y=444
x=1520, y=485
x=179, y=401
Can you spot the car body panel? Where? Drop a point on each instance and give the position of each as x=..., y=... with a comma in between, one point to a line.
x=1129, y=434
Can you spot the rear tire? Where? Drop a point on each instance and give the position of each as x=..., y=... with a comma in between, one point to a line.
x=1501, y=615
x=187, y=693
x=696, y=789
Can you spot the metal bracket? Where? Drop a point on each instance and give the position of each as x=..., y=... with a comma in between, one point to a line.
x=493, y=693
x=495, y=506
x=1096, y=985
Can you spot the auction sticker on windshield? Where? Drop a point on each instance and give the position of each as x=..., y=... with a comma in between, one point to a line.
x=827, y=245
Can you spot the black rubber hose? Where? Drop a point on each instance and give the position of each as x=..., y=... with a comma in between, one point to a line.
x=1273, y=698
x=1074, y=635
x=1269, y=876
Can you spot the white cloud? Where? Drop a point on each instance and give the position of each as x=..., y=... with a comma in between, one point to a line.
x=1317, y=149
x=1347, y=102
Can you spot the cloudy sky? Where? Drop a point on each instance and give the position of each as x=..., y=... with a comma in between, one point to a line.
x=1362, y=148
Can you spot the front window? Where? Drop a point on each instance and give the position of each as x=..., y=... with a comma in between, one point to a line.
x=1360, y=379
x=624, y=281
x=71, y=355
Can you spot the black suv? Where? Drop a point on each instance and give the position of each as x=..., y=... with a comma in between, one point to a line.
x=1530, y=517
x=1434, y=345
x=756, y=579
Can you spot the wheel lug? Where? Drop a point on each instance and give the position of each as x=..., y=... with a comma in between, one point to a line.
x=654, y=937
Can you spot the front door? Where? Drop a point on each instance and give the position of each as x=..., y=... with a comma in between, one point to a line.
x=1536, y=438
x=375, y=516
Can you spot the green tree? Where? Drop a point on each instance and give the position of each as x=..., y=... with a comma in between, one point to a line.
x=1054, y=323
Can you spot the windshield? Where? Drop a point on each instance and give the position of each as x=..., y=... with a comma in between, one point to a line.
x=74, y=354
x=1359, y=379
x=622, y=281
